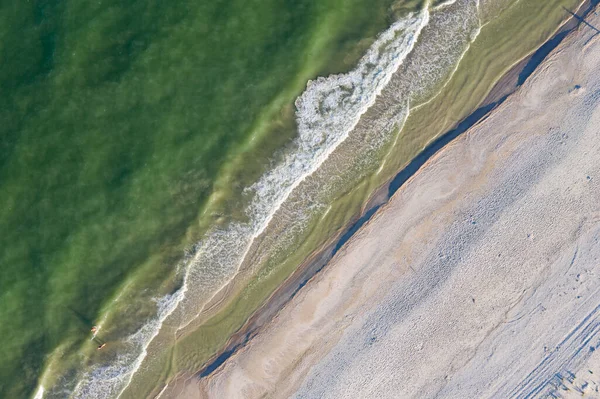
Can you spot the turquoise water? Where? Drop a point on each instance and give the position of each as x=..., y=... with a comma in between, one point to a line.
x=117, y=122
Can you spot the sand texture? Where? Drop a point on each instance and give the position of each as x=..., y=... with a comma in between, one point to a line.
x=479, y=279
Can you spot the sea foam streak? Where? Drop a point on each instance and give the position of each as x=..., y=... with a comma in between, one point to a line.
x=326, y=114
x=39, y=394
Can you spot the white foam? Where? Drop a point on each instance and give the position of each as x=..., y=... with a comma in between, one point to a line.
x=110, y=380
x=39, y=394
x=444, y=4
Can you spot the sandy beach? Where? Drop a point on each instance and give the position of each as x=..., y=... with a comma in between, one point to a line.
x=477, y=279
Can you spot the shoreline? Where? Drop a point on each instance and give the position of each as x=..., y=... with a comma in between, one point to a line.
x=508, y=83
x=460, y=266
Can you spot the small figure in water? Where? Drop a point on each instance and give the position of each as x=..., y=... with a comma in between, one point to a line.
x=94, y=329
x=101, y=346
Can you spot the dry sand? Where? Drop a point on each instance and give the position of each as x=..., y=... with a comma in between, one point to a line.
x=480, y=278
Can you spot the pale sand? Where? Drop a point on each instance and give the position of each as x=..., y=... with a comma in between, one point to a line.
x=480, y=278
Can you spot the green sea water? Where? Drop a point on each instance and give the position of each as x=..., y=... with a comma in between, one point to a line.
x=118, y=121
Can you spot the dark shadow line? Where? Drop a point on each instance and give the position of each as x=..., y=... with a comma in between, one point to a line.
x=540, y=55
x=354, y=228
x=413, y=166
x=223, y=357
x=582, y=19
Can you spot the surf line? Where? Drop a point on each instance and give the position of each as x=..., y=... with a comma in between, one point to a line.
x=321, y=258
x=397, y=59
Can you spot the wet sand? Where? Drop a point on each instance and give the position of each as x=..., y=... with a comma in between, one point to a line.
x=477, y=279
